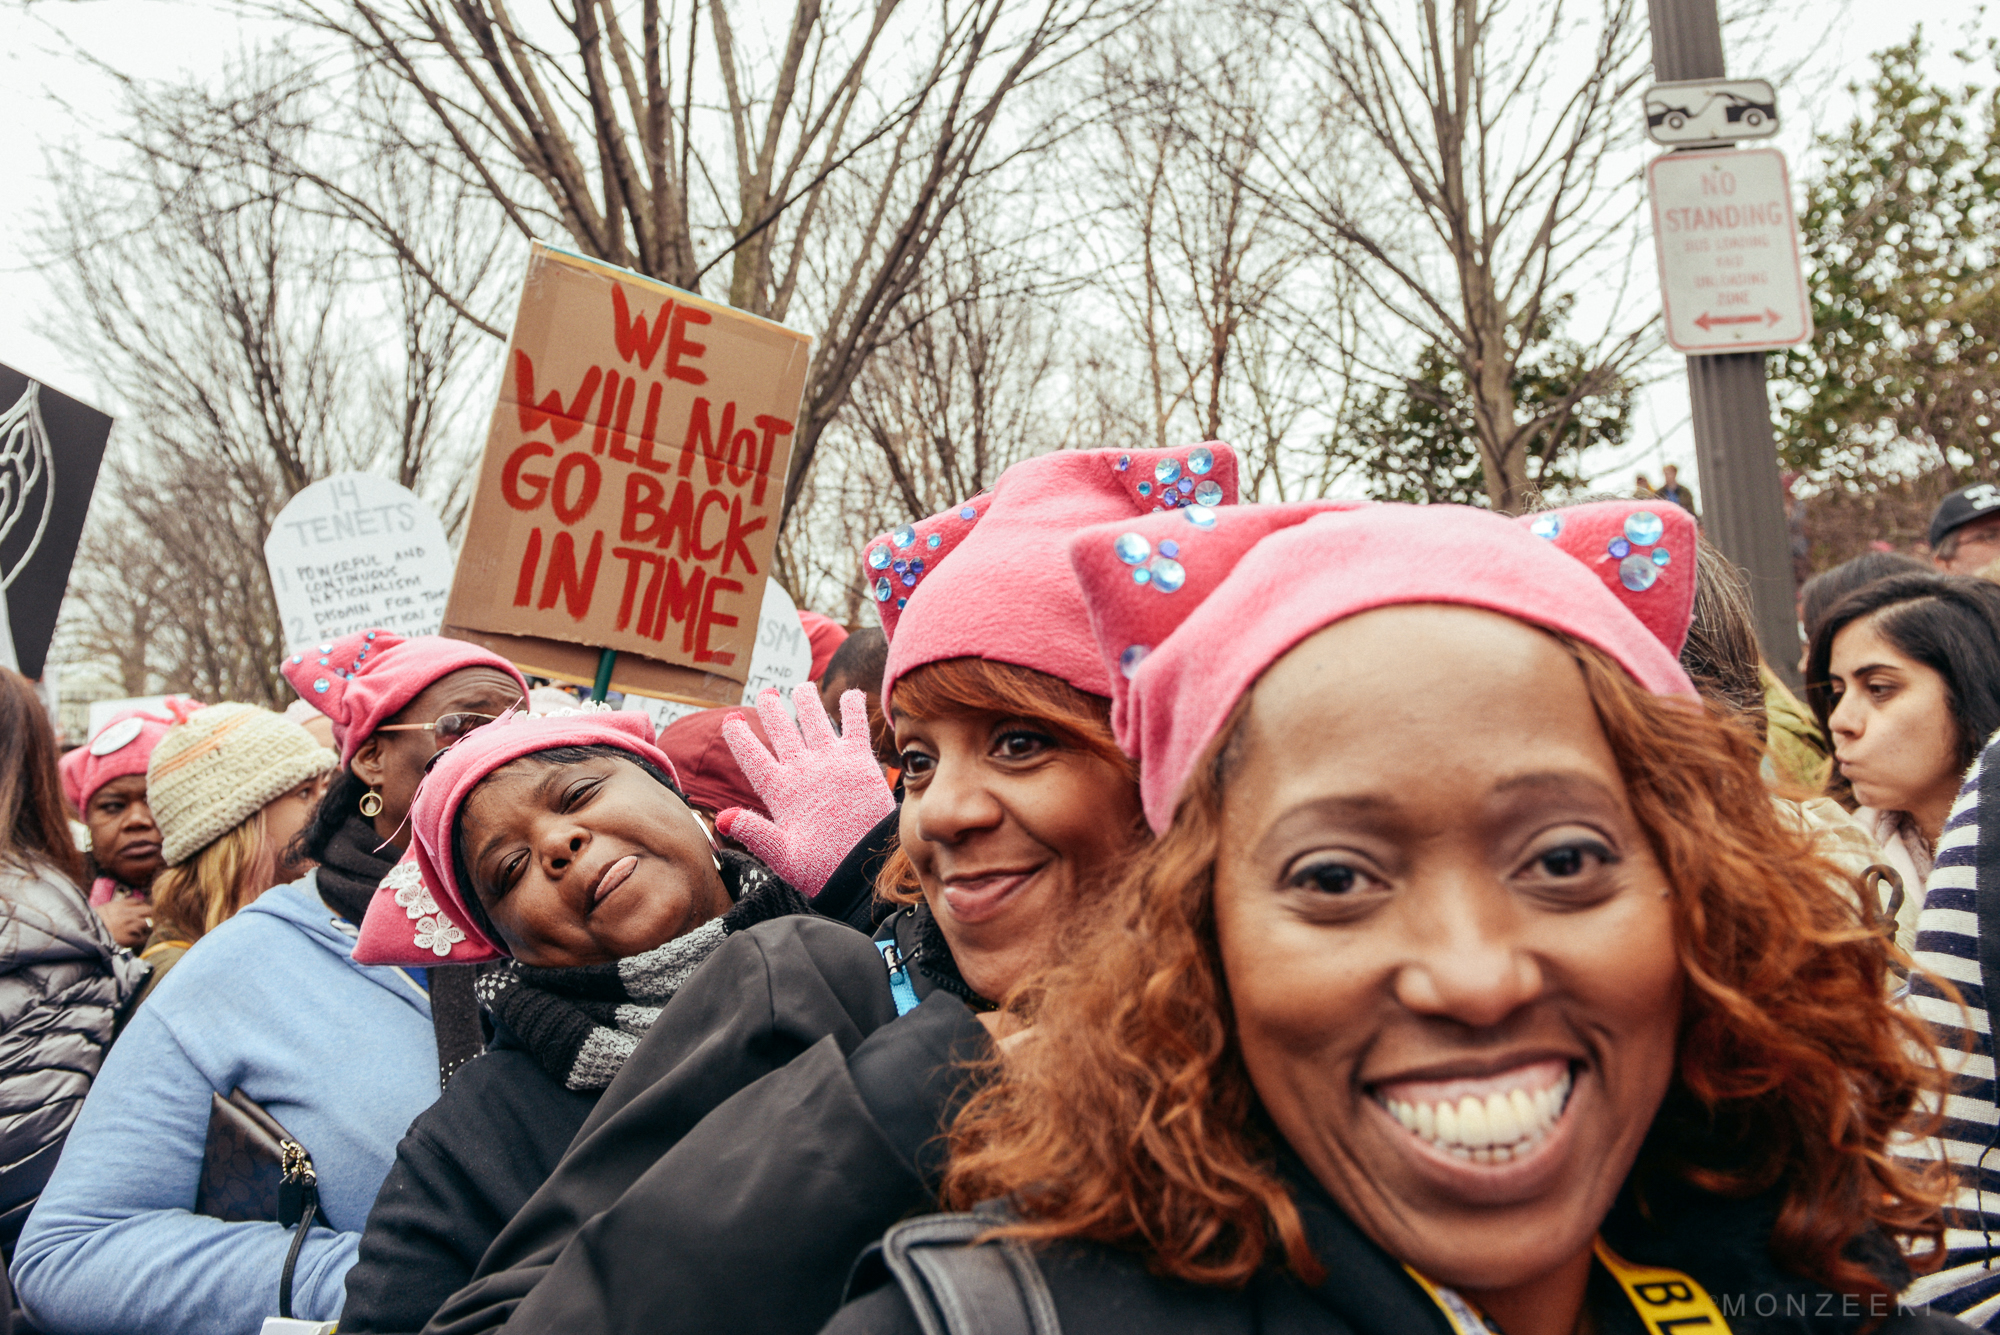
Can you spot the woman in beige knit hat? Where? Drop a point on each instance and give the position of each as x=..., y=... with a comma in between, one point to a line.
x=231, y=788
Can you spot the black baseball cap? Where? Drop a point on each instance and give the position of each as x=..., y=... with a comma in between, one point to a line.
x=1962, y=507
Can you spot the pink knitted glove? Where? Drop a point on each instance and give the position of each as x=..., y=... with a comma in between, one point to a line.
x=826, y=792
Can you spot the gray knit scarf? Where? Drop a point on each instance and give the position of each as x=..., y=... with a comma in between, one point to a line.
x=582, y=1024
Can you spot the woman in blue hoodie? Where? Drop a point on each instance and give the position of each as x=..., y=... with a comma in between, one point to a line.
x=270, y=1003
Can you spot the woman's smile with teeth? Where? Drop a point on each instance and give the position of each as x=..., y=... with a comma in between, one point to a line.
x=1490, y=1127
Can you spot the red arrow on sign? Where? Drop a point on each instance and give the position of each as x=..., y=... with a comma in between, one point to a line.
x=1707, y=321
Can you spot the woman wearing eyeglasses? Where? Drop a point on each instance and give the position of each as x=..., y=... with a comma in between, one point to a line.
x=271, y=1004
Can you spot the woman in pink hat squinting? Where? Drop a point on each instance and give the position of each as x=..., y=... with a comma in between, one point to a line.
x=564, y=853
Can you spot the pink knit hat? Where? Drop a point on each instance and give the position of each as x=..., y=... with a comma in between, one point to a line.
x=1224, y=598
x=1011, y=597
x=122, y=747
x=361, y=680
x=418, y=916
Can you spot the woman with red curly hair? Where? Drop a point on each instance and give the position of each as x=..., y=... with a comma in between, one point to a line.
x=1472, y=984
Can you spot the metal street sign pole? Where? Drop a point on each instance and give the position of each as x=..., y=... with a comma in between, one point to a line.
x=1742, y=500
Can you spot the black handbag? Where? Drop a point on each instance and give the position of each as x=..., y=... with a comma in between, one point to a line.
x=254, y=1169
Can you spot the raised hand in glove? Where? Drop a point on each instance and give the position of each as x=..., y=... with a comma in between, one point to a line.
x=824, y=792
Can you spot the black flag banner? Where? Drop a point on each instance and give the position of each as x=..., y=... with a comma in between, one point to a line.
x=50, y=448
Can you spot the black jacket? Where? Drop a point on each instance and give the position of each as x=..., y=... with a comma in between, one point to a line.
x=466, y=1167
x=1722, y=1244
x=750, y=1220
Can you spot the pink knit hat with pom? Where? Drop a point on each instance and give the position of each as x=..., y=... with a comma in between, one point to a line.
x=122, y=747
x=418, y=916
x=1246, y=584
x=1011, y=598
x=362, y=680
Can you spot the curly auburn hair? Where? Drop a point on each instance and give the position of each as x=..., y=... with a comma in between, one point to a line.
x=1129, y=1117
x=977, y=686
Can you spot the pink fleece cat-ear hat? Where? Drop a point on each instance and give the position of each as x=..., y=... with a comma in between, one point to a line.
x=419, y=916
x=990, y=578
x=1249, y=583
x=362, y=680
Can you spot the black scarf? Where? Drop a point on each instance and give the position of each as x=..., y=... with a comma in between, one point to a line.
x=581, y=1024
x=355, y=862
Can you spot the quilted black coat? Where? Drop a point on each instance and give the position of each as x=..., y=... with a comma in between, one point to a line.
x=64, y=985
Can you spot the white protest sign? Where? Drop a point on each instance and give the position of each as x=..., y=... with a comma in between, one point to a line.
x=781, y=660
x=102, y=710
x=357, y=551
x=1729, y=251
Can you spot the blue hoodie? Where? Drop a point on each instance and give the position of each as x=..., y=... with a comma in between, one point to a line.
x=343, y=1055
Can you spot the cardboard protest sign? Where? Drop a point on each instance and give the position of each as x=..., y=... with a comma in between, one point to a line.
x=354, y=551
x=630, y=491
x=50, y=447
x=781, y=660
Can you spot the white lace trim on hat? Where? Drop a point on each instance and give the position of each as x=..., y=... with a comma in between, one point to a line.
x=411, y=893
x=437, y=935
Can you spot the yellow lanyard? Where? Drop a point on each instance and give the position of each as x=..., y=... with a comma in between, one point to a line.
x=1669, y=1302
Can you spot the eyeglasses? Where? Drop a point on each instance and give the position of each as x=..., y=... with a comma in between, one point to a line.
x=447, y=728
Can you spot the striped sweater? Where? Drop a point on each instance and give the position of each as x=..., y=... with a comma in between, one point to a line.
x=1948, y=947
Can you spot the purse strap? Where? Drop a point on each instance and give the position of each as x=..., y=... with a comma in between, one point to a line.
x=298, y=1201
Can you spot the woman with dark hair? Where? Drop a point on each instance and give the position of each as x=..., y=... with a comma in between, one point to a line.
x=64, y=985
x=1017, y=808
x=1471, y=985
x=1904, y=675
x=565, y=848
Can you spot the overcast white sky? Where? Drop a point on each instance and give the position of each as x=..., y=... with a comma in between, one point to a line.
x=53, y=102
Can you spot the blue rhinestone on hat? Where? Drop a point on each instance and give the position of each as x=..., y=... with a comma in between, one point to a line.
x=1169, y=498
x=1170, y=548
x=1135, y=654
x=1208, y=492
x=1184, y=486
x=370, y=637
x=903, y=536
x=878, y=557
x=1201, y=515
x=934, y=541
x=1661, y=556
x=1547, y=526
x=1132, y=548
x=326, y=662
x=1166, y=470
x=967, y=513
x=1200, y=459
x=883, y=589
x=1124, y=462
x=1637, y=572
x=1644, y=528
x=320, y=685
x=326, y=648
x=1141, y=575
x=902, y=603
x=296, y=660
x=1145, y=489
x=1619, y=548
x=899, y=566
x=1168, y=574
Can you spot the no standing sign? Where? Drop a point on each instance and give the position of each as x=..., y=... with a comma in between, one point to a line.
x=1729, y=251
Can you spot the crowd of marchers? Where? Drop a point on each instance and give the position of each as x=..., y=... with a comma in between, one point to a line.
x=1180, y=915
